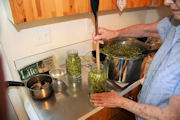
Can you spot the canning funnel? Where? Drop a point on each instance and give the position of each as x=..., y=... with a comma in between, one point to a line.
x=94, y=7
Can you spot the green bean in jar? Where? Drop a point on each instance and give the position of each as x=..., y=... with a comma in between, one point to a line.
x=73, y=64
x=97, y=81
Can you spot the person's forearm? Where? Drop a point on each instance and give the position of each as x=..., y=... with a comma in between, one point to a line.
x=140, y=30
x=146, y=111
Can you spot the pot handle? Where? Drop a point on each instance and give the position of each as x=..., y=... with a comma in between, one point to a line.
x=149, y=51
x=14, y=83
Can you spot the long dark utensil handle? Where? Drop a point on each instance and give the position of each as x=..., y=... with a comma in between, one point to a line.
x=14, y=83
x=96, y=26
x=94, y=7
x=149, y=51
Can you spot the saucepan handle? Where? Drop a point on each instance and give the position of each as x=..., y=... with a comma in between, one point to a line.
x=14, y=83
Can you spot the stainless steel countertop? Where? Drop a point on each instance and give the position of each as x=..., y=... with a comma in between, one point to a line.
x=69, y=104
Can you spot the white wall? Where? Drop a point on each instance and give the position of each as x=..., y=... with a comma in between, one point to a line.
x=21, y=44
x=153, y=15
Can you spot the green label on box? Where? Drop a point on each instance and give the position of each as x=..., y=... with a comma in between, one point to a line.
x=39, y=67
x=28, y=71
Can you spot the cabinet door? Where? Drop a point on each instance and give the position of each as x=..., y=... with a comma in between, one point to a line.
x=138, y=3
x=28, y=10
x=107, y=5
x=159, y=3
x=111, y=4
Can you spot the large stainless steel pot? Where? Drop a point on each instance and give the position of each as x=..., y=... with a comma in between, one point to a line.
x=125, y=69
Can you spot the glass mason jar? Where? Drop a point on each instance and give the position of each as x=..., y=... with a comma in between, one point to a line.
x=97, y=80
x=74, y=87
x=73, y=64
x=58, y=77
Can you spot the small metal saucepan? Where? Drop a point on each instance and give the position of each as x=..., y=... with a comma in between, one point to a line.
x=39, y=86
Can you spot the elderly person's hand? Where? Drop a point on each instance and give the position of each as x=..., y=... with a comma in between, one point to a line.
x=104, y=34
x=107, y=99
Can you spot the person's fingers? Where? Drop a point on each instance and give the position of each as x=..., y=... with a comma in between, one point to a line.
x=101, y=30
x=95, y=98
x=102, y=103
x=109, y=90
x=113, y=91
x=99, y=96
x=97, y=103
x=98, y=37
x=93, y=35
x=96, y=95
x=101, y=41
x=95, y=38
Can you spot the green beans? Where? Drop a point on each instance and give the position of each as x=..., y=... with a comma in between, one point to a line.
x=129, y=51
x=97, y=81
x=73, y=65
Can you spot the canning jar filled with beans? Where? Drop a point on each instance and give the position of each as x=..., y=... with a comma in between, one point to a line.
x=73, y=64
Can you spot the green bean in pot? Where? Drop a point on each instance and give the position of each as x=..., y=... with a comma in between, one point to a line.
x=123, y=50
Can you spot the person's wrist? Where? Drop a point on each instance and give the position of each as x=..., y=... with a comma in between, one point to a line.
x=121, y=102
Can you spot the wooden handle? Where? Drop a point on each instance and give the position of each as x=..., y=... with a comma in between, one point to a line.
x=97, y=55
x=97, y=46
